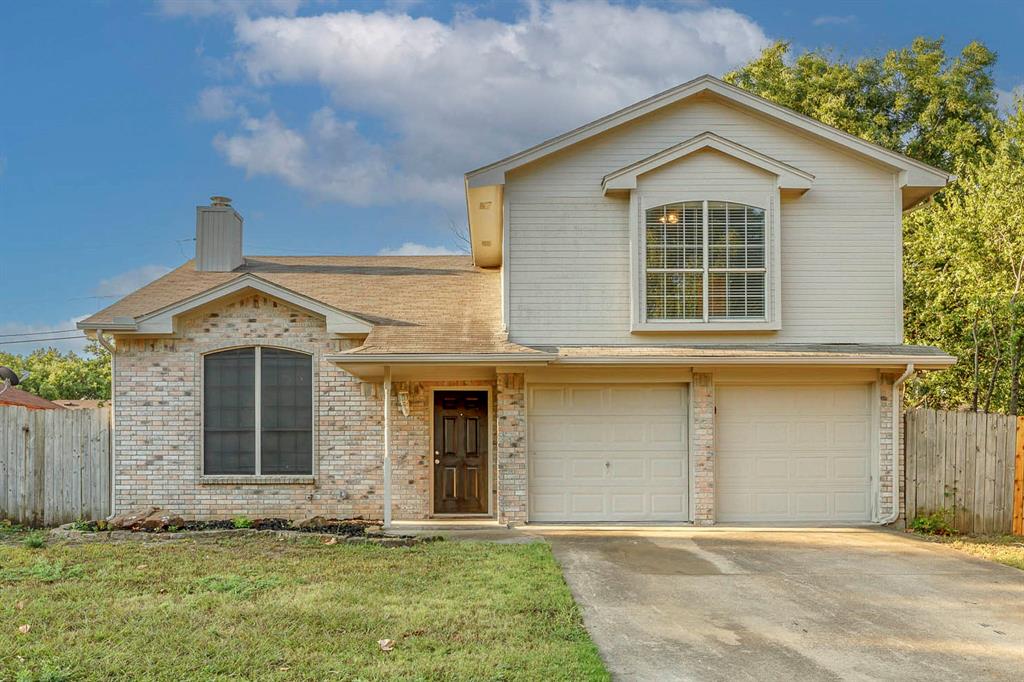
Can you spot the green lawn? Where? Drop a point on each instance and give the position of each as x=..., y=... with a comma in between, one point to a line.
x=269, y=609
x=1004, y=549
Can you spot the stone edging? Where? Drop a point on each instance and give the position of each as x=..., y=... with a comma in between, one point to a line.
x=66, y=532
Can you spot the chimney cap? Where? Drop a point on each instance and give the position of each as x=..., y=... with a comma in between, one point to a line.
x=220, y=201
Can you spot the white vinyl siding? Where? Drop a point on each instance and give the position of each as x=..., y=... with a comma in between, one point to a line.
x=568, y=260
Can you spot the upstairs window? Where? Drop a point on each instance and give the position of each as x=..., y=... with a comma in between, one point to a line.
x=705, y=261
x=257, y=412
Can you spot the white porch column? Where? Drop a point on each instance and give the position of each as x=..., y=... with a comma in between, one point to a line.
x=387, y=447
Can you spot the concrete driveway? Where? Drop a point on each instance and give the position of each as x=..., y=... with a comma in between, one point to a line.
x=730, y=604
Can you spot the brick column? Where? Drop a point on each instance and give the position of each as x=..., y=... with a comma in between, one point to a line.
x=885, y=446
x=703, y=449
x=511, y=474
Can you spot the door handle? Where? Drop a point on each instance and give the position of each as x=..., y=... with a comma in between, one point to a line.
x=437, y=461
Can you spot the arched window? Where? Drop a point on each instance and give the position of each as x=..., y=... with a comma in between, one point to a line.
x=705, y=261
x=257, y=412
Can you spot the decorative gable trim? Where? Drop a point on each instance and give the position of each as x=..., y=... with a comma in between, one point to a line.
x=162, y=321
x=790, y=177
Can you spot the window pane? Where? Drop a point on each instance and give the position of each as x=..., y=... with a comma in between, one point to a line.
x=675, y=242
x=286, y=412
x=736, y=294
x=229, y=412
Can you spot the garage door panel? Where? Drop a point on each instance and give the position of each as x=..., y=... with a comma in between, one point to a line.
x=621, y=451
x=794, y=453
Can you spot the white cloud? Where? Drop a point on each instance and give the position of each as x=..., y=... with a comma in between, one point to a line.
x=127, y=282
x=448, y=97
x=218, y=103
x=414, y=249
x=208, y=8
x=831, y=20
x=1008, y=99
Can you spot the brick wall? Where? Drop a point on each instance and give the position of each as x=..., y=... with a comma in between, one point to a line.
x=158, y=459
x=510, y=409
x=702, y=442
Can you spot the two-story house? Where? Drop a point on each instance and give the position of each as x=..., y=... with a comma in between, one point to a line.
x=688, y=310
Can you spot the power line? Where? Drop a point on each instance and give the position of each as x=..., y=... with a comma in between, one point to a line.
x=52, y=331
x=56, y=338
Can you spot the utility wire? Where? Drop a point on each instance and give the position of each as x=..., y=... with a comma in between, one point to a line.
x=52, y=331
x=56, y=338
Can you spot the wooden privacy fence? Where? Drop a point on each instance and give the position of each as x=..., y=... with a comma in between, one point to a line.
x=969, y=463
x=54, y=465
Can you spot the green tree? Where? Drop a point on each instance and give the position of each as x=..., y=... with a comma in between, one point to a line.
x=64, y=376
x=916, y=100
x=964, y=278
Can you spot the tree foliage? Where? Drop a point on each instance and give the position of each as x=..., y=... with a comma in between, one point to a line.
x=916, y=100
x=964, y=252
x=63, y=376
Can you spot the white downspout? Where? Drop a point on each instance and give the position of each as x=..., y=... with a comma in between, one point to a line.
x=897, y=410
x=387, y=447
x=113, y=431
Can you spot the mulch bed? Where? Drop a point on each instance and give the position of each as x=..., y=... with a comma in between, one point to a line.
x=344, y=528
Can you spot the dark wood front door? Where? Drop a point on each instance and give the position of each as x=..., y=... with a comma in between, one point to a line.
x=460, y=452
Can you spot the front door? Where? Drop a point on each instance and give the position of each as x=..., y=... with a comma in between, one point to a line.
x=460, y=452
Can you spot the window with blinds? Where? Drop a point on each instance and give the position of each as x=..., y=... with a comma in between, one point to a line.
x=705, y=261
x=257, y=412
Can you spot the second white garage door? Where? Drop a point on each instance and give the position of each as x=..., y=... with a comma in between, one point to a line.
x=794, y=453
x=607, y=452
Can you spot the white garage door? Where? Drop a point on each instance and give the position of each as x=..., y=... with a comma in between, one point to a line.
x=608, y=452
x=794, y=453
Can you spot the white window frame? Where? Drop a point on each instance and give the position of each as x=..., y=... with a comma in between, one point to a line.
x=640, y=202
x=258, y=424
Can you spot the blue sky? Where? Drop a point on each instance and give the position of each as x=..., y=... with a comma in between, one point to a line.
x=338, y=127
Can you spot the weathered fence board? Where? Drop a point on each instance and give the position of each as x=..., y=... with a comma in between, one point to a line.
x=54, y=465
x=967, y=462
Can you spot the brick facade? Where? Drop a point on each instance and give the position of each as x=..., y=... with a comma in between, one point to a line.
x=159, y=416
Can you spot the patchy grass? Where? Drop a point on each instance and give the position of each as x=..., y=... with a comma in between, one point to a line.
x=1004, y=549
x=262, y=608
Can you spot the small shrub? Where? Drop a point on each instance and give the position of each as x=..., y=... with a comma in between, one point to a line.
x=8, y=526
x=939, y=522
x=83, y=525
x=35, y=540
x=241, y=522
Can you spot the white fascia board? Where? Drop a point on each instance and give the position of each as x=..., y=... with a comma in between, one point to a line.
x=931, y=362
x=790, y=177
x=162, y=321
x=441, y=358
x=922, y=173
